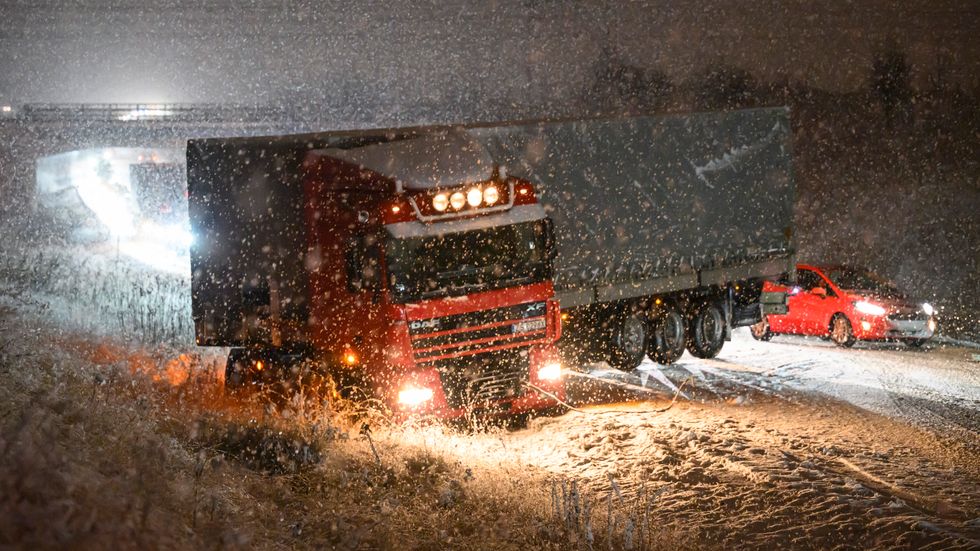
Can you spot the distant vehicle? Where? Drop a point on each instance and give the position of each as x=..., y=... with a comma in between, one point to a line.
x=847, y=304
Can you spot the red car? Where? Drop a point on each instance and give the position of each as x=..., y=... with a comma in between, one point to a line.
x=847, y=304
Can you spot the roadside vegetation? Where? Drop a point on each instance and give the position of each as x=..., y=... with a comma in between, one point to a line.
x=105, y=445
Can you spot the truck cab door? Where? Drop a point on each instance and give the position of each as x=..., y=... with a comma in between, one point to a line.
x=809, y=301
x=366, y=289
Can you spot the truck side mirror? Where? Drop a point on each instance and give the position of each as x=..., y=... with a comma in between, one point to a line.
x=363, y=263
x=354, y=255
x=550, y=243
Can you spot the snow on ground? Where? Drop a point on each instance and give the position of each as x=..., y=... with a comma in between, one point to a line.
x=937, y=386
x=792, y=443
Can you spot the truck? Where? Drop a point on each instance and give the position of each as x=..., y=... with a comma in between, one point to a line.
x=405, y=262
x=460, y=269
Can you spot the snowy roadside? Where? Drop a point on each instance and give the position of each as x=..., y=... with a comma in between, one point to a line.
x=105, y=444
x=762, y=456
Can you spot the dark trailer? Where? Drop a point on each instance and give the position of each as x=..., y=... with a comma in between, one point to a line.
x=666, y=225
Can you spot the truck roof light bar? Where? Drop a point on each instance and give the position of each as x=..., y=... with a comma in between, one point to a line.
x=482, y=198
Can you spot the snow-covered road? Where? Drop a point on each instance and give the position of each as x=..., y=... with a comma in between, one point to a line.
x=937, y=387
x=791, y=443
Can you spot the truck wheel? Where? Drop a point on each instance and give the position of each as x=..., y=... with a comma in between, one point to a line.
x=235, y=369
x=629, y=342
x=668, y=335
x=841, y=332
x=761, y=330
x=706, y=334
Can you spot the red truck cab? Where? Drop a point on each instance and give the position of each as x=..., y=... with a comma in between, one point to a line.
x=430, y=274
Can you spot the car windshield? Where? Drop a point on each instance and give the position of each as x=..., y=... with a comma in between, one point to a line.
x=861, y=280
x=459, y=263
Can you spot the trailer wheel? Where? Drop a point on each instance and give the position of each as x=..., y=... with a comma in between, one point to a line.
x=668, y=335
x=629, y=342
x=706, y=333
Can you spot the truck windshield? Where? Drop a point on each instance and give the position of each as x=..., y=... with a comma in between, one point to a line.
x=455, y=264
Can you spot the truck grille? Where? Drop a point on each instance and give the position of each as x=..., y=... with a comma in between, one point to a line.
x=482, y=379
x=444, y=337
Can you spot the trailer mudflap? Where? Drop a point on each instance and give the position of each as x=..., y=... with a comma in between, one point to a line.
x=774, y=302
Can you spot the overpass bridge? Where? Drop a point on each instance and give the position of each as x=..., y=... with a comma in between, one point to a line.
x=29, y=133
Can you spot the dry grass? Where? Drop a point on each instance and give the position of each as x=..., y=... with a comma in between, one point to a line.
x=105, y=442
x=104, y=447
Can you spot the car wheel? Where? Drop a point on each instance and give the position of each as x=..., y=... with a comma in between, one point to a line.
x=668, y=336
x=629, y=342
x=706, y=333
x=761, y=330
x=841, y=332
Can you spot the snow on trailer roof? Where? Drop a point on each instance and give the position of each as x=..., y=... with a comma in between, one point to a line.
x=424, y=161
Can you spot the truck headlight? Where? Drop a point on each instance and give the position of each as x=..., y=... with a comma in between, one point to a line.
x=457, y=200
x=869, y=308
x=440, y=202
x=928, y=309
x=413, y=396
x=550, y=371
x=491, y=195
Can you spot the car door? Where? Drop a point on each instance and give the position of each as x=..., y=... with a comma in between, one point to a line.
x=821, y=311
x=805, y=305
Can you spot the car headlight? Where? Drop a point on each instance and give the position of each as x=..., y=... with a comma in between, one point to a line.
x=928, y=309
x=869, y=308
x=414, y=396
x=550, y=371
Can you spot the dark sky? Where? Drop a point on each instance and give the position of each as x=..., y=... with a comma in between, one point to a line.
x=263, y=51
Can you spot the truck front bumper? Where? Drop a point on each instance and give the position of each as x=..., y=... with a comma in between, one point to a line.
x=429, y=392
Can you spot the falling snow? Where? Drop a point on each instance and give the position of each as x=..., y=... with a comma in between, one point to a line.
x=290, y=274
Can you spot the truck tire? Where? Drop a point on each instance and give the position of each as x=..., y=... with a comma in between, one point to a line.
x=668, y=336
x=629, y=341
x=706, y=332
x=236, y=369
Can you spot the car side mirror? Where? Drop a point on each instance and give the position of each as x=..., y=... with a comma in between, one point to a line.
x=820, y=292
